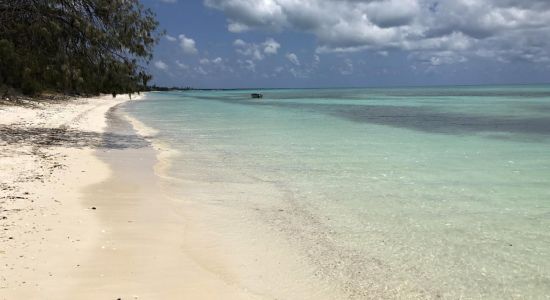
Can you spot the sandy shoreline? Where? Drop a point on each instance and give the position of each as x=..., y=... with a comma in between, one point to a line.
x=77, y=222
x=83, y=215
x=47, y=159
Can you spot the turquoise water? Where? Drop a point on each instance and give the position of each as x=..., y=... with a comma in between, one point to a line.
x=392, y=193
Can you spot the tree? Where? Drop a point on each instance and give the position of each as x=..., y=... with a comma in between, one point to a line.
x=76, y=46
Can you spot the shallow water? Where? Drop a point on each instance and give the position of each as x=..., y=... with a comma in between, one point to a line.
x=394, y=193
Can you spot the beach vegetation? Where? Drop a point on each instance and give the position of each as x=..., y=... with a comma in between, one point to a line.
x=76, y=46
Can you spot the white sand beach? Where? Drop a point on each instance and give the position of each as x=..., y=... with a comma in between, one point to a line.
x=73, y=228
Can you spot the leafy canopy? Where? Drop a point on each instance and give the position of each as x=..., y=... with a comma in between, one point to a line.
x=76, y=46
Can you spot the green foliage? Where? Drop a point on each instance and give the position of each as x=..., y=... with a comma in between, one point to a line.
x=76, y=46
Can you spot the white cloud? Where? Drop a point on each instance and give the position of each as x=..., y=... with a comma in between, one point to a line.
x=347, y=68
x=316, y=62
x=298, y=73
x=392, y=13
x=293, y=58
x=239, y=43
x=187, y=44
x=181, y=65
x=511, y=29
x=431, y=59
x=215, y=61
x=159, y=64
x=248, y=49
x=257, y=51
x=247, y=64
x=170, y=38
x=271, y=46
x=200, y=70
x=316, y=59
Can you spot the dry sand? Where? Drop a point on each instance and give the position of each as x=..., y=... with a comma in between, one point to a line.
x=79, y=223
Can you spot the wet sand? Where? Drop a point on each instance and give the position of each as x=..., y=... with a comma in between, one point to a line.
x=140, y=252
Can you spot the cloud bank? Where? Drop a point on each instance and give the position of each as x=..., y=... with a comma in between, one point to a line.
x=446, y=31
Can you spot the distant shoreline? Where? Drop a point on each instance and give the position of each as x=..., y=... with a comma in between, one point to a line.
x=164, y=89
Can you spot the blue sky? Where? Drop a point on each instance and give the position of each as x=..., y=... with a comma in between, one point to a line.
x=342, y=43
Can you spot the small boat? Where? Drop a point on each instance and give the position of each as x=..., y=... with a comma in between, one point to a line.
x=256, y=96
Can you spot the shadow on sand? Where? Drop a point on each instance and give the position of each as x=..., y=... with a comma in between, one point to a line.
x=47, y=137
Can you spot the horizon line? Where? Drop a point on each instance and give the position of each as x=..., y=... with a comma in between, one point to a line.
x=361, y=87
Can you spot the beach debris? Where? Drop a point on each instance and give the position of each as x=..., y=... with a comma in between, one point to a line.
x=93, y=207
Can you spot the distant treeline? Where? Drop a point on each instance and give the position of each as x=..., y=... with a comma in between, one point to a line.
x=167, y=89
x=75, y=46
x=157, y=88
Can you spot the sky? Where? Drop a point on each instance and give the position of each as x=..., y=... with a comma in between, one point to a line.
x=350, y=43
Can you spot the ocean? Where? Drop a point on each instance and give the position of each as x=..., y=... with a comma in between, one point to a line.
x=439, y=192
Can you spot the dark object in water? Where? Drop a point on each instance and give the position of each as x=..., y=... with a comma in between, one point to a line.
x=256, y=96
